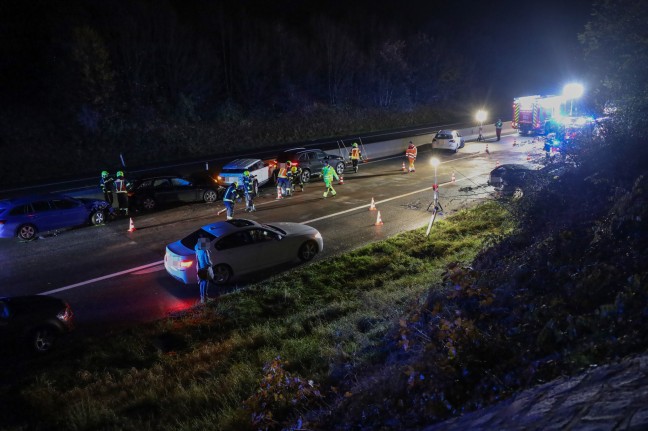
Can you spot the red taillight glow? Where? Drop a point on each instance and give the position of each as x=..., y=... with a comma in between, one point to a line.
x=2, y=221
x=186, y=263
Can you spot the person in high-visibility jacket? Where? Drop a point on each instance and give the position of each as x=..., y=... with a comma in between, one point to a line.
x=296, y=178
x=229, y=198
x=121, y=188
x=282, y=179
x=355, y=156
x=248, y=189
x=328, y=174
x=410, y=153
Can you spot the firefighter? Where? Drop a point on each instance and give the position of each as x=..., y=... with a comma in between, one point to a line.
x=328, y=174
x=355, y=155
x=107, y=184
x=296, y=177
x=498, y=128
x=121, y=188
x=410, y=153
x=230, y=197
x=282, y=179
x=248, y=189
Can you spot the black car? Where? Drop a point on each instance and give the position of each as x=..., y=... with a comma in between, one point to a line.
x=510, y=178
x=35, y=320
x=311, y=162
x=153, y=191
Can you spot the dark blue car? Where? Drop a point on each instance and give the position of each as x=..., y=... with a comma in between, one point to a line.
x=25, y=217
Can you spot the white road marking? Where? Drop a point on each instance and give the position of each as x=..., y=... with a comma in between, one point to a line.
x=161, y=262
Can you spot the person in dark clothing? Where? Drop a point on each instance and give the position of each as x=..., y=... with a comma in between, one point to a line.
x=204, y=266
x=107, y=184
x=121, y=187
x=498, y=128
x=230, y=197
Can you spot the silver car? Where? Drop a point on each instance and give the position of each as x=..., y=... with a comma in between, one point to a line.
x=241, y=246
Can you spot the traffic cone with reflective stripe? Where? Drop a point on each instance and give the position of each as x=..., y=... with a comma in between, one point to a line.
x=528, y=156
x=453, y=177
x=131, y=228
x=279, y=196
x=497, y=164
x=514, y=142
x=487, y=152
x=373, y=205
x=404, y=168
x=379, y=221
x=341, y=180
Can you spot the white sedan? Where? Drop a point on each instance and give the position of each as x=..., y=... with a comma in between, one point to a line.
x=448, y=140
x=241, y=246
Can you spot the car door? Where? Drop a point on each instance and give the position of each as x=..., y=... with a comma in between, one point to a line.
x=185, y=190
x=163, y=191
x=269, y=247
x=68, y=212
x=42, y=216
x=238, y=251
x=261, y=172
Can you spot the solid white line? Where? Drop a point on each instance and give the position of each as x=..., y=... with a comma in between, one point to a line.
x=105, y=277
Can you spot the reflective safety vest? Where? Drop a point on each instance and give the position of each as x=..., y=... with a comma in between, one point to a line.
x=411, y=153
x=355, y=153
x=120, y=185
x=230, y=194
x=283, y=173
x=328, y=173
x=498, y=125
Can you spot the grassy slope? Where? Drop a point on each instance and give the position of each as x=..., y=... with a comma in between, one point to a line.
x=326, y=321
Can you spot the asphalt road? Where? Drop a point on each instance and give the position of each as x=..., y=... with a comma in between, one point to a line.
x=113, y=277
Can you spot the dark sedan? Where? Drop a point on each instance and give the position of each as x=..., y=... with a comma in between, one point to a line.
x=25, y=217
x=152, y=192
x=34, y=320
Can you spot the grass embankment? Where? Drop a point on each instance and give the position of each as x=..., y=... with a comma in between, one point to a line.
x=217, y=366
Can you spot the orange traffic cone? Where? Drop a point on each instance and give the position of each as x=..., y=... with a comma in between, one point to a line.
x=378, y=220
x=487, y=152
x=404, y=168
x=453, y=177
x=131, y=228
x=528, y=156
x=497, y=163
x=279, y=196
x=514, y=142
x=341, y=180
x=373, y=205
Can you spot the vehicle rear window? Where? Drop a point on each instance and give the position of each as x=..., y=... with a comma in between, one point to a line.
x=190, y=240
x=444, y=136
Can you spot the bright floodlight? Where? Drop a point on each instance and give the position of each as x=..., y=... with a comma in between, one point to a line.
x=573, y=91
x=434, y=162
x=481, y=115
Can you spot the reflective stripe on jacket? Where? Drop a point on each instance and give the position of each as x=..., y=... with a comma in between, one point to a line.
x=411, y=153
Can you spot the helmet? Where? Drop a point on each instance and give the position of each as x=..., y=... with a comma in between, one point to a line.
x=120, y=173
x=288, y=164
x=294, y=169
x=355, y=145
x=104, y=174
x=246, y=173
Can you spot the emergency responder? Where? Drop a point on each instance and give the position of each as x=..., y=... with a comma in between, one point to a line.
x=107, y=184
x=296, y=178
x=355, y=155
x=248, y=189
x=121, y=188
x=498, y=128
x=282, y=179
x=411, y=153
x=328, y=174
x=230, y=197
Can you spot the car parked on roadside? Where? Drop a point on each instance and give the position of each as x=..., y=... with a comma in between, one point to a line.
x=448, y=140
x=241, y=246
x=311, y=162
x=27, y=216
x=151, y=192
x=35, y=321
x=260, y=173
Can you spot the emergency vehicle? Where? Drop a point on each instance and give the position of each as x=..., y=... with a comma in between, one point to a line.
x=536, y=114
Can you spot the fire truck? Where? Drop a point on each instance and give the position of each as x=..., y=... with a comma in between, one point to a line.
x=536, y=114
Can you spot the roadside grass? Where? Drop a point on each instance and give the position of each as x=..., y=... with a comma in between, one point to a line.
x=259, y=356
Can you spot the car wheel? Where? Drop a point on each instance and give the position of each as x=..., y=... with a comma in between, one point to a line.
x=306, y=176
x=222, y=274
x=27, y=232
x=456, y=149
x=255, y=188
x=148, y=203
x=210, y=196
x=307, y=251
x=339, y=168
x=97, y=218
x=42, y=339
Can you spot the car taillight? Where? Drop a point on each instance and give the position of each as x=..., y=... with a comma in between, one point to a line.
x=2, y=221
x=184, y=264
x=66, y=314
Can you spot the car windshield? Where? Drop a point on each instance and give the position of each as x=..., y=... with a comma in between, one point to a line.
x=234, y=171
x=444, y=136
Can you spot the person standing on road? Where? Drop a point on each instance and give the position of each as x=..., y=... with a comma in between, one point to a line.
x=411, y=153
x=498, y=128
x=121, y=188
x=355, y=156
x=328, y=174
x=248, y=188
x=107, y=184
x=229, y=198
x=204, y=266
x=282, y=179
x=296, y=178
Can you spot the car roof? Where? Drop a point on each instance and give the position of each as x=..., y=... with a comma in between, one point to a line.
x=241, y=163
x=31, y=198
x=446, y=132
x=221, y=228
